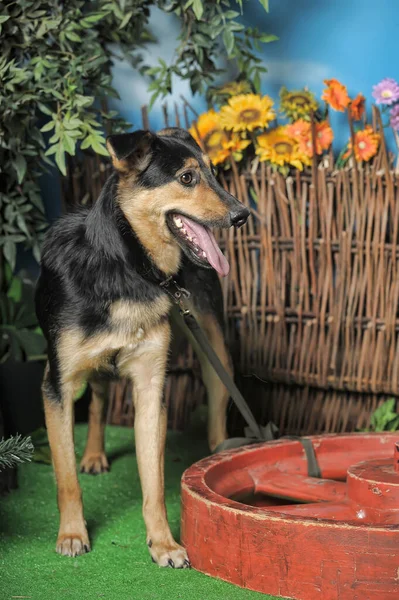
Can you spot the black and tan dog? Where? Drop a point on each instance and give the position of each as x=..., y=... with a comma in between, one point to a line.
x=103, y=312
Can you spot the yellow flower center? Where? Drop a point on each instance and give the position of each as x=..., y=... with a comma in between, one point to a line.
x=283, y=148
x=362, y=145
x=301, y=100
x=249, y=114
x=214, y=139
x=386, y=94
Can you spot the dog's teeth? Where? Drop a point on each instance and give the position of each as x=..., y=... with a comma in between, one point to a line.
x=204, y=254
x=184, y=231
x=190, y=238
x=178, y=222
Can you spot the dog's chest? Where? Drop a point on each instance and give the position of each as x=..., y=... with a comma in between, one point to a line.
x=130, y=321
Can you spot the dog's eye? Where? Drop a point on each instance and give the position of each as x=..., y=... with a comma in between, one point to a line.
x=186, y=178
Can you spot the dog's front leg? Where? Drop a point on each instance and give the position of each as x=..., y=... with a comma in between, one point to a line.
x=72, y=537
x=146, y=367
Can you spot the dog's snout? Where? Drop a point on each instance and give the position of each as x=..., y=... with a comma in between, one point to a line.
x=239, y=217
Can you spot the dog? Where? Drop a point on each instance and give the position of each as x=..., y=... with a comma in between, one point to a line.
x=104, y=314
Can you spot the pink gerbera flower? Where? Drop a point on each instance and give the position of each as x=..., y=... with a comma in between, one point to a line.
x=394, y=117
x=386, y=92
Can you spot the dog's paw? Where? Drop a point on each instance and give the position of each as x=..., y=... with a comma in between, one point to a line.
x=170, y=555
x=72, y=544
x=94, y=463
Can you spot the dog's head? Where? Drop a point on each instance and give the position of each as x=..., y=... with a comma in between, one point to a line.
x=169, y=194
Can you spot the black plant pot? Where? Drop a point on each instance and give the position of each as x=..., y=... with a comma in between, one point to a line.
x=20, y=396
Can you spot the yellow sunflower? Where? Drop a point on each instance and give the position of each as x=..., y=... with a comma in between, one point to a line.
x=236, y=145
x=247, y=112
x=210, y=135
x=280, y=149
x=297, y=104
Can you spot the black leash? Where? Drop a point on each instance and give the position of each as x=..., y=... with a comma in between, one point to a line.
x=254, y=432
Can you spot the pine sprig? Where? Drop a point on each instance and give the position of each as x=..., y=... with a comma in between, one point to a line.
x=14, y=450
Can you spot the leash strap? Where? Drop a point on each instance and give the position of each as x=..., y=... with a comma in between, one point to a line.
x=254, y=432
x=179, y=295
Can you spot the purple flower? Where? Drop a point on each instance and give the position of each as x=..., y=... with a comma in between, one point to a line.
x=386, y=92
x=394, y=117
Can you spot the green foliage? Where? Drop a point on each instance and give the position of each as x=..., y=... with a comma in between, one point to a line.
x=209, y=30
x=385, y=418
x=15, y=450
x=20, y=337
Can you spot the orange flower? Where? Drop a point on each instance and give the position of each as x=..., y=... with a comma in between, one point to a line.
x=324, y=136
x=302, y=132
x=366, y=144
x=298, y=129
x=336, y=94
x=357, y=107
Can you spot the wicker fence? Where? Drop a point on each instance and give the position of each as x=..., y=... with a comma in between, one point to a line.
x=311, y=300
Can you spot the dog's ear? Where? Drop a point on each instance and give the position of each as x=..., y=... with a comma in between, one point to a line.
x=130, y=151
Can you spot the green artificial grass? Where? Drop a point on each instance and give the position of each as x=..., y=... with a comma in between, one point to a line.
x=119, y=566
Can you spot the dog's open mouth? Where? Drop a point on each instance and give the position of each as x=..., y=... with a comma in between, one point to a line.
x=200, y=241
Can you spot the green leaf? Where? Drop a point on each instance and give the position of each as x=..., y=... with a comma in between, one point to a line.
x=51, y=150
x=265, y=4
x=69, y=144
x=125, y=20
x=228, y=40
x=99, y=148
x=44, y=109
x=384, y=417
x=20, y=167
x=84, y=101
x=266, y=38
x=231, y=14
x=22, y=225
x=10, y=253
x=95, y=18
x=4, y=18
x=14, y=291
x=48, y=126
x=74, y=37
x=198, y=9
x=60, y=158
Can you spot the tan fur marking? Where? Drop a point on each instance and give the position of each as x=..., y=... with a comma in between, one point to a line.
x=72, y=537
x=94, y=459
x=167, y=132
x=206, y=160
x=189, y=163
x=146, y=209
x=146, y=367
x=130, y=323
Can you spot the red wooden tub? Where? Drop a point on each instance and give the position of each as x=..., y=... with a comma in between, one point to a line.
x=253, y=517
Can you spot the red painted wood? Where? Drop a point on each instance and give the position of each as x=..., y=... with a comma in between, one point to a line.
x=345, y=548
x=297, y=487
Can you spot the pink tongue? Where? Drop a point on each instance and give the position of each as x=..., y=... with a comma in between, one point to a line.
x=206, y=241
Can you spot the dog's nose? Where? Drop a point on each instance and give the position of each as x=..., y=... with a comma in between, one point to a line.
x=239, y=217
